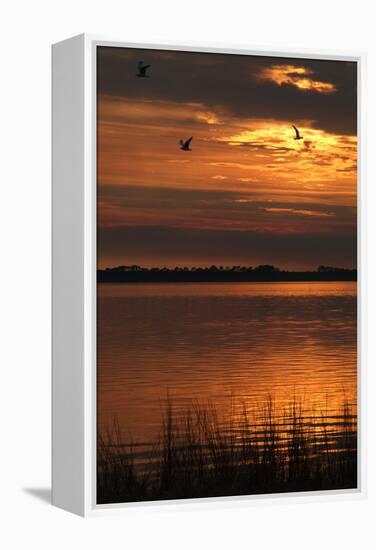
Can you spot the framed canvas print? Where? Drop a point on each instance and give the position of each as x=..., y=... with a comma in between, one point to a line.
x=206, y=254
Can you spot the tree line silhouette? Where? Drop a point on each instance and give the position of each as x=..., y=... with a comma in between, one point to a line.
x=236, y=273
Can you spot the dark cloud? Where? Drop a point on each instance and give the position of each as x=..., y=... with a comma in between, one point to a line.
x=168, y=246
x=161, y=198
x=230, y=83
x=127, y=195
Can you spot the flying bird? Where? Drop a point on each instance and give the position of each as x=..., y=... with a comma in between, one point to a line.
x=184, y=145
x=142, y=70
x=297, y=136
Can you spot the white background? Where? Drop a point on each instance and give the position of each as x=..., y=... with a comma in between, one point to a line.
x=27, y=30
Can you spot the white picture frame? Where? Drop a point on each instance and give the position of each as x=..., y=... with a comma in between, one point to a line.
x=74, y=277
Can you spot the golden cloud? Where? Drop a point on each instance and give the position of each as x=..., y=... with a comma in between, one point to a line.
x=319, y=155
x=143, y=111
x=319, y=168
x=207, y=116
x=296, y=76
x=299, y=212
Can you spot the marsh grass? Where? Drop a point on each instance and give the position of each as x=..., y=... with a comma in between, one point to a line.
x=259, y=450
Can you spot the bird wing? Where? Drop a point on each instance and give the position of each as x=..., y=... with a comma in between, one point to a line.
x=142, y=70
x=296, y=130
x=188, y=141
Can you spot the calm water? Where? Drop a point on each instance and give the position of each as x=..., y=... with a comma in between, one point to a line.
x=213, y=341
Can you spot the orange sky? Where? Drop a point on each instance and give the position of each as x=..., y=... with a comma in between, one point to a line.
x=248, y=192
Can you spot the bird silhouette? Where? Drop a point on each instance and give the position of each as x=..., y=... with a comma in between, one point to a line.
x=142, y=70
x=297, y=136
x=184, y=145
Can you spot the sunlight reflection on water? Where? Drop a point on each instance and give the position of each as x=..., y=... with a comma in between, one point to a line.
x=213, y=341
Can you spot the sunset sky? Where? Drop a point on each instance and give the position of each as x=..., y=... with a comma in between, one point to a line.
x=247, y=193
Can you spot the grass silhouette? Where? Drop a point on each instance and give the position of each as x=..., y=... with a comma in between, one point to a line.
x=259, y=450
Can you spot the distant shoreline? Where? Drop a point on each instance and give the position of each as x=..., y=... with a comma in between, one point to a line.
x=207, y=275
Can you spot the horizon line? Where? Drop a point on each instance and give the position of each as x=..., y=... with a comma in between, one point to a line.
x=213, y=267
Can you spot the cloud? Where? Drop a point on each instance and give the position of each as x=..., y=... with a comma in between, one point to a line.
x=230, y=83
x=296, y=212
x=170, y=246
x=143, y=111
x=207, y=116
x=316, y=156
x=219, y=209
x=297, y=76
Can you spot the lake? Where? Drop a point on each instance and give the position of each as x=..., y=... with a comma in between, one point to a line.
x=220, y=342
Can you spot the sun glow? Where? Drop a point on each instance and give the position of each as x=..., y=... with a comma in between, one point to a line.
x=318, y=153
